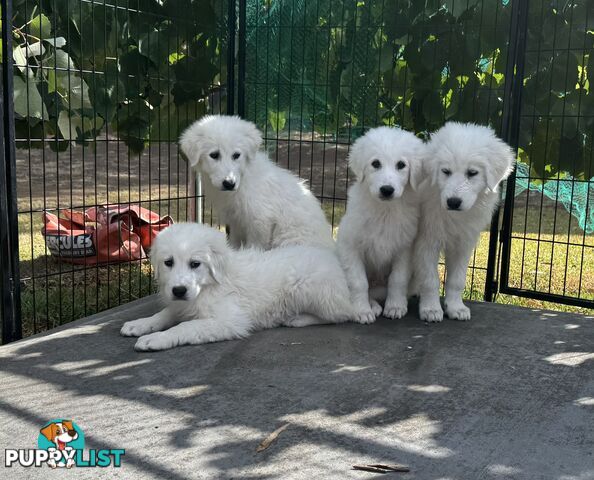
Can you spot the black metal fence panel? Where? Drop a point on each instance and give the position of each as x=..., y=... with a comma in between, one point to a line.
x=548, y=236
x=320, y=72
x=95, y=94
x=102, y=90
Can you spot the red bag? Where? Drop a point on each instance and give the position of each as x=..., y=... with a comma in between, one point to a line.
x=105, y=234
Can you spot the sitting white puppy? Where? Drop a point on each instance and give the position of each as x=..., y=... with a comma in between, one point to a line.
x=375, y=235
x=218, y=293
x=466, y=163
x=264, y=205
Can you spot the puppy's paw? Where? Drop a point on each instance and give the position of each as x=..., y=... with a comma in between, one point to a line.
x=136, y=328
x=431, y=313
x=395, y=310
x=154, y=341
x=376, y=308
x=363, y=312
x=365, y=317
x=457, y=311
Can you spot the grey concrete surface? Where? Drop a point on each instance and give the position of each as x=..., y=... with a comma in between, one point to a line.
x=508, y=395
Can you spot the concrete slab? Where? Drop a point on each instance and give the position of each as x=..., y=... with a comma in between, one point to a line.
x=508, y=395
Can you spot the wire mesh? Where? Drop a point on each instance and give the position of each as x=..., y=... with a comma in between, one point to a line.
x=319, y=73
x=551, y=216
x=102, y=90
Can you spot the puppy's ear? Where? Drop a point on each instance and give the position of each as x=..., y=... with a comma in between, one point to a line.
x=499, y=163
x=191, y=141
x=49, y=432
x=356, y=159
x=430, y=169
x=252, y=137
x=417, y=172
x=216, y=259
x=155, y=258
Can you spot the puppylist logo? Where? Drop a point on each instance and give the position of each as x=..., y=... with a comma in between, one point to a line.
x=61, y=445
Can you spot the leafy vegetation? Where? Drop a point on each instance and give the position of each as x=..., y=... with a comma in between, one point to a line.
x=140, y=71
x=344, y=66
x=85, y=68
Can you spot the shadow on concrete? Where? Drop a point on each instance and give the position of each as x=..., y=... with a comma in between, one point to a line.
x=508, y=395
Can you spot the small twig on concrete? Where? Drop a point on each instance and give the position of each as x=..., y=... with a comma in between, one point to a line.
x=380, y=468
x=271, y=438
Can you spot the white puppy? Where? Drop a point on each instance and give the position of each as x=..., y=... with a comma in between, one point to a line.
x=264, y=205
x=466, y=163
x=375, y=235
x=224, y=294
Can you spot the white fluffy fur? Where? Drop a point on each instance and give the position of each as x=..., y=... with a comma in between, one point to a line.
x=376, y=233
x=454, y=151
x=231, y=293
x=268, y=207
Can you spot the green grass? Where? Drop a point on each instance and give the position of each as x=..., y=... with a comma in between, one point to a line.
x=571, y=273
x=54, y=293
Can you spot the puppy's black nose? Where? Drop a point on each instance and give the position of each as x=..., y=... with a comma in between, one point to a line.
x=228, y=185
x=454, y=203
x=72, y=433
x=179, y=292
x=386, y=191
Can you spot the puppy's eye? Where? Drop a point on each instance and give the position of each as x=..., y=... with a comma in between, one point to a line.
x=236, y=155
x=446, y=171
x=194, y=264
x=168, y=262
x=214, y=155
x=400, y=165
x=471, y=173
x=376, y=164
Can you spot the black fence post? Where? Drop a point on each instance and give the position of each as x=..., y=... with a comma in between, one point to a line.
x=511, y=134
x=10, y=303
x=514, y=75
x=231, y=27
x=241, y=53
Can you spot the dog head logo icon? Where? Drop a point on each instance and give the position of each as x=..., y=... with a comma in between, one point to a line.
x=63, y=436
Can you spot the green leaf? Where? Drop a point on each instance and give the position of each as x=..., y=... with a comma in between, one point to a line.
x=194, y=76
x=27, y=99
x=52, y=83
x=40, y=27
x=106, y=91
x=170, y=119
x=277, y=120
x=77, y=127
x=20, y=59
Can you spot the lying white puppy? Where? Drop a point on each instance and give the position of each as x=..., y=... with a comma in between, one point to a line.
x=264, y=205
x=466, y=163
x=375, y=235
x=218, y=293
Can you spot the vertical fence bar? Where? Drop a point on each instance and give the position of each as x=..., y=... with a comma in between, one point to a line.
x=511, y=129
x=241, y=53
x=514, y=74
x=231, y=27
x=10, y=304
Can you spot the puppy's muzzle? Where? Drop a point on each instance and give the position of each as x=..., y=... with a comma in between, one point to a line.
x=454, y=203
x=179, y=292
x=228, y=185
x=386, y=191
